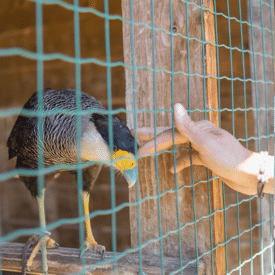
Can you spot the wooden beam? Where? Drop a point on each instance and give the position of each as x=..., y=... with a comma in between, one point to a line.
x=66, y=260
x=261, y=71
x=179, y=209
x=212, y=93
x=260, y=16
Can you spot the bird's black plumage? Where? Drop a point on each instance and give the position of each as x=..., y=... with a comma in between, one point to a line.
x=60, y=131
x=122, y=138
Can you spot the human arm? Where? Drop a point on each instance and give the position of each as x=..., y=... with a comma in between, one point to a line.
x=215, y=149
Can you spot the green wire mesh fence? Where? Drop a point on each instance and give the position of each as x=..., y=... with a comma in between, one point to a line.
x=244, y=32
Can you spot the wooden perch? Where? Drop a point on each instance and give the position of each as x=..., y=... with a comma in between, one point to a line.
x=66, y=260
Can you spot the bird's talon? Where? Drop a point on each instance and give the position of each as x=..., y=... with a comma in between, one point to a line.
x=86, y=246
x=50, y=243
x=93, y=246
x=35, y=242
x=83, y=249
x=103, y=254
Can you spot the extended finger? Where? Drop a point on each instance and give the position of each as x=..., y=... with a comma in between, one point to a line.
x=184, y=161
x=162, y=142
x=147, y=133
x=186, y=126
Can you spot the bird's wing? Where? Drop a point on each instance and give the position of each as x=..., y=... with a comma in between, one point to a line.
x=22, y=133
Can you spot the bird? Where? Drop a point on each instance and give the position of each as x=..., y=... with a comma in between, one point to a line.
x=59, y=146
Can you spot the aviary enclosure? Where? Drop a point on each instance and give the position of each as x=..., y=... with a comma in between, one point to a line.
x=139, y=58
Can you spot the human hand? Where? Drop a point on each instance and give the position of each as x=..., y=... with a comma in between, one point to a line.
x=215, y=148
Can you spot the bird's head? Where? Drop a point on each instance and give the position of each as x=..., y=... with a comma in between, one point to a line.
x=127, y=165
x=123, y=145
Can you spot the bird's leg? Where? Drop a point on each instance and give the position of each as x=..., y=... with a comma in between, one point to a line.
x=36, y=240
x=90, y=242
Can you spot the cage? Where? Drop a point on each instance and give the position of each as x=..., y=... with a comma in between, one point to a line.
x=139, y=58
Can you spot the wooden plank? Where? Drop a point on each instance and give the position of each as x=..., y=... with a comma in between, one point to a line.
x=66, y=260
x=163, y=211
x=212, y=92
x=261, y=69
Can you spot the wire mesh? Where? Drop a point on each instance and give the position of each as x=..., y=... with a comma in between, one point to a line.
x=260, y=88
